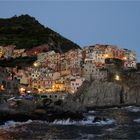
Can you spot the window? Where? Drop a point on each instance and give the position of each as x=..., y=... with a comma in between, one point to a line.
x=15, y=78
x=8, y=85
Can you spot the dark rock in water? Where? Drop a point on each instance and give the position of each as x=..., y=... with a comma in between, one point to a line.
x=40, y=111
x=85, y=119
x=44, y=109
x=5, y=116
x=65, y=115
x=104, y=119
x=49, y=114
x=98, y=119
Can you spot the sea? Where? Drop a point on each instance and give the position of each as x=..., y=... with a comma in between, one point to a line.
x=119, y=123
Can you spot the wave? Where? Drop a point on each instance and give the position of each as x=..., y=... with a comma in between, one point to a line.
x=110, y=129
x=132, y=108
x=137, y=120
x=89, y=120
x=107, y=122
x=87, y=136
x=12, y=124
x=92, y=112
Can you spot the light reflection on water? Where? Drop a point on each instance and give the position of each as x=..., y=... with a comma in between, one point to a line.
x=125, y=126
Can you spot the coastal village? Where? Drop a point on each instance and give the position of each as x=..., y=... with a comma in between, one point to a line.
x=60, y=72
x=69, y=70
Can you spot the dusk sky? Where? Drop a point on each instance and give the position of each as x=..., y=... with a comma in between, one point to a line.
x=84, y=22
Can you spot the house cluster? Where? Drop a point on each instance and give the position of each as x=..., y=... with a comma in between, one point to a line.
x=56, y=72
x=10, y=51
x=99, y=53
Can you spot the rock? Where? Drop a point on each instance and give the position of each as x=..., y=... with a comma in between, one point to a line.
x=72, y=105
x=59, y=102
x=132, y=95
x=98, y=119
x=26, y=106
x=40, y=111
x=47, y=102
x=99, y=93
x=107, y=94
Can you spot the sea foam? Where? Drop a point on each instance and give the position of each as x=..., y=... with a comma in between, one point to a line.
x=12, y=124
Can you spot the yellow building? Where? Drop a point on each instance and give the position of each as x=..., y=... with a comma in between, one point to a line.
x=58, y=87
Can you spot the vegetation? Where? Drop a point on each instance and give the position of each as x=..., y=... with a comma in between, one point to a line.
x=20, y=62
x=26, y=32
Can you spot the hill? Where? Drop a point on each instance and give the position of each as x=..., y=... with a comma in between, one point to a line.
x=26, y=32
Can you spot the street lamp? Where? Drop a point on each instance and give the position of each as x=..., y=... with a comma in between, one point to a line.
x=106, y=55
x=36, y=64
x=22, y=90
x=124, y=58
x=39, y=90
x=117, y=77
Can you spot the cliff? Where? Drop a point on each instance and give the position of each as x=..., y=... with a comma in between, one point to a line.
x=97, y=93
x=101, y=94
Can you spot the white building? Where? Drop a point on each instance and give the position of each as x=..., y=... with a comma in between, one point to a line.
x=73, y=84
x=130, y=65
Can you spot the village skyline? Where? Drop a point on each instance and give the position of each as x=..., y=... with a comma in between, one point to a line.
x=63, y=72
x=69, y=69
x=85, y=23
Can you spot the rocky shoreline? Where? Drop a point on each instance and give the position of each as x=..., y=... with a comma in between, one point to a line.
x=21, y=117
x=50, y=115
x=28, y=110
x=91, y=96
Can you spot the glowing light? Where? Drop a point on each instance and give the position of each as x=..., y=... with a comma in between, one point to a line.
x=106, y=55
x=28, y=91
x=117, y=77
x=124, y=58
x=22, y=90
x=2, y=87
x=39, y=90
x=35, y=64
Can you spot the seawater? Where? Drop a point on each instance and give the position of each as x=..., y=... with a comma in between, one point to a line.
x=120, y=123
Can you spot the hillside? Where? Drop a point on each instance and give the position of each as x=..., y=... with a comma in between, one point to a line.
x=26, y=32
